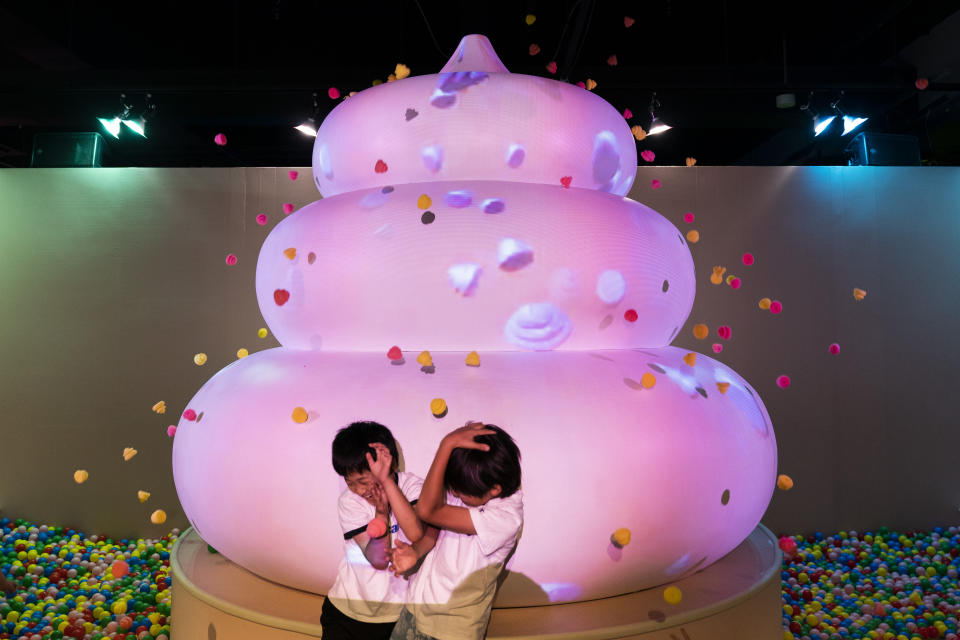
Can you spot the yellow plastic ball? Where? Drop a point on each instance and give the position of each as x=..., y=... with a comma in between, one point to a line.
x=299, y=415
x=242, y=353
x=158, y=517
x=200, y=359
x=648, y=380
x=621, y=537
x=80, y=476
x=438, y=406
x=672, y=595
x=262, y=332
x=693, y=236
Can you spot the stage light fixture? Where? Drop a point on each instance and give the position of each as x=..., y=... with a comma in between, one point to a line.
x=656, y=124
x=112, y=125
x=820, y=123
x=849, y=122
x=139, y=124
x=309, y=126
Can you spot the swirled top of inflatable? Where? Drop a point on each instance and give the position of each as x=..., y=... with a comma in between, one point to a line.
x=474, y=121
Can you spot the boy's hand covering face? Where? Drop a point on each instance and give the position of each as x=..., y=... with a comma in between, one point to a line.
x=402, y=558
x=379, y=500
x=463, y=438
x=380, y=468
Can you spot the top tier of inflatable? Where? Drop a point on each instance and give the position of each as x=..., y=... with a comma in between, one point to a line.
x=474, y=121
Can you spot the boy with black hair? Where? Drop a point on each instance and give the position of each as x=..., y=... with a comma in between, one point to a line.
x=472, y=493
x=365, y=600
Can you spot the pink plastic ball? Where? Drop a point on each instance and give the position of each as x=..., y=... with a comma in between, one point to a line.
x=717, y=347
x=287, y=208
x=748, y=259
x=293, y=174
x=231, y=260
x=688, y=217
x=724, y=332
x=783, y=381
x=220, y=139
x=262, y=219
x=736, y=283
x=376, y=528
x=788, y=545
x=333, y=92
x=172, y=430
x=776, y=306
x=190, y=414
x=647, y=155
x=835, y=348
x=655, y=184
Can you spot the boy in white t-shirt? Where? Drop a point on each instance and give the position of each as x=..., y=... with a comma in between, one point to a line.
x=479, y=516
x=365, y=600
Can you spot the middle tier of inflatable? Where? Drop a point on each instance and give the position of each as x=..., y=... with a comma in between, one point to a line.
x=679, y=451
x=483, y=265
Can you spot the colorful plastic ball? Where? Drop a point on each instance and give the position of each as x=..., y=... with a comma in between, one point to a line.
x=630, y=315
x=262, y=332
x=735, y=283
x=717, y=347
x=693, y=236
x=172, y=430
x=783, y=381
x=834, y=348
x=231, y=259
x=776, y=306
x=764, y=303
x=688, y=217
x=748, y=259
x=220, y=139
x=119, y=568
x=700, y=331
x=376, y=528
x=300, y=416
x=672, y=595
x=788, y=545
x=333, y=92
x=262, y=219
x=784, y=482
x=287, y=208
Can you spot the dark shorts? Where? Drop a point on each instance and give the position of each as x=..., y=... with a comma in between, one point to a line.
x=406, y=628
x=339, y=626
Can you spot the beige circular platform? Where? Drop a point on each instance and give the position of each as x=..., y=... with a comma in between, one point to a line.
x=737, y=597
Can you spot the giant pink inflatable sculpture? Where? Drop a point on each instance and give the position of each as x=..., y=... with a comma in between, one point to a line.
x=482, y=210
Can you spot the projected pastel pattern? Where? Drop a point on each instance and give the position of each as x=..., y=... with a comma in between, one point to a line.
x=447, y=227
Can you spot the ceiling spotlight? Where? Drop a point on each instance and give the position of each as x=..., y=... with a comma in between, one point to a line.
x=309, y=126
x=112, y=125
x=139, y=124
x=849, y=122
x=820, y=123
x=656, y=124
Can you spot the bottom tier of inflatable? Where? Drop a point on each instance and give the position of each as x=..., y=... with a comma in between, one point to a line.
x=737, y=597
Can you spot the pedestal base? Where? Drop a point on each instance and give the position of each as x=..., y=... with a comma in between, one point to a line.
x=737, y=597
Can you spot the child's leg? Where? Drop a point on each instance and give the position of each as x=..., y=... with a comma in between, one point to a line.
x=339, y=626
x=406, y=628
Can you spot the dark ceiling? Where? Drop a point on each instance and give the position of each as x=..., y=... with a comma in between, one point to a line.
x=248, y=69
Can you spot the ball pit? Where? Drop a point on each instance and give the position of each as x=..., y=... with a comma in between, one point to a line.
x=67, y=588
x=884, y=584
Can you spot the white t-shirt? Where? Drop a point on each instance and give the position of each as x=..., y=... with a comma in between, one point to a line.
x=452, y=593
x=360, y=591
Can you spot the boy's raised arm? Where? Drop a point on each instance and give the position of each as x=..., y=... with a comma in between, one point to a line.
x=432, y=506
x=408, y=521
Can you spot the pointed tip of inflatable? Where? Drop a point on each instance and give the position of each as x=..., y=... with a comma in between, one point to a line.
x=475, y=53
